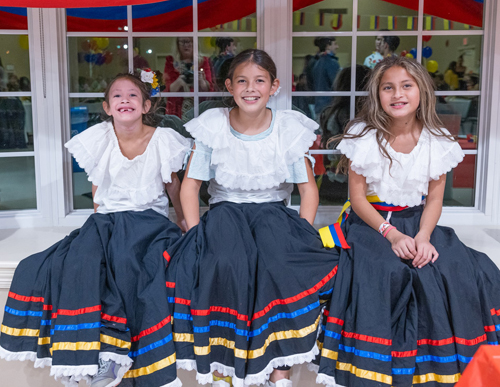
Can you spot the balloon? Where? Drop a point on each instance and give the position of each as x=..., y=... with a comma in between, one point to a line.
x=426, y=52
x=93, y=44
x=102, y=43
x=404, y=52
x=108, y=57
x=432, y=66
x=100, y=59
x=85, y=45
x=88, y=58
x=409, y=55
x=24, y=42
x=426, y=38
x=413, y=52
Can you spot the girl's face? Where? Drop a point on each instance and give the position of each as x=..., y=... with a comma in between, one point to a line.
x=251, y=87
x=125, y=103
x=399, y=93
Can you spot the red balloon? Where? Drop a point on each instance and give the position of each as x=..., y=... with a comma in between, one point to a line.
x=85, y=45
x=403, y=53
x=426, y=38
x=108, y=57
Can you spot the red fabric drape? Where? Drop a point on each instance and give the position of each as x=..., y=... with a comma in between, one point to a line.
x=71, y=3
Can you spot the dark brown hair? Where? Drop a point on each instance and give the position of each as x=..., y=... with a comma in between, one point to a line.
x=150, y=118
x=253, y=55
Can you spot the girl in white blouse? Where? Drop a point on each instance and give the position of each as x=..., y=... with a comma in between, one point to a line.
x=413, y=303
x=93, y=306
x=248, y=281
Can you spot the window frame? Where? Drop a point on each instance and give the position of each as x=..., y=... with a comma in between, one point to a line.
x=51, y=122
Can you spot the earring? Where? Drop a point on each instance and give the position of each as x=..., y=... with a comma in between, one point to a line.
x=276, y=92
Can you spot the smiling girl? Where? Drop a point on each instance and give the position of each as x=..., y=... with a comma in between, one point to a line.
x=247, y=281
x=93, y=305
x=412, y=303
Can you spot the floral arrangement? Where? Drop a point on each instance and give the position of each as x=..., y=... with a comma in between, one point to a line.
x=149, y=76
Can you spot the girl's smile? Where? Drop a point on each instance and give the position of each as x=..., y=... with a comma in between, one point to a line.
x=125, y=102
x=251, y=87
x=399, y=93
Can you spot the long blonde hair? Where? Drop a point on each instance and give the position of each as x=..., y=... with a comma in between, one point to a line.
x=373, y=115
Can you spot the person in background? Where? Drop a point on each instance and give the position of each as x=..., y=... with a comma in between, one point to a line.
x=326, y=68
x=451, y=76
x=384, y=46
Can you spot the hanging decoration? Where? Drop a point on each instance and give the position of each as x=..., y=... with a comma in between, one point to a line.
x=411, y=23
x=374, y=22
x=391, y=23
x=336, y=22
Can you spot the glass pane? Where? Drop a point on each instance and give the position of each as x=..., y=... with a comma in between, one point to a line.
x=459, y=190
x=327, y=15
x=16, y=124
x=320, y=67
x=93, y=62
x=14, y=63
x=17, y=183
x=97, y=19
x=456, y=15
x=376, y=15
x=220, y=51
x=456, y=60
x=84, y=113
x=12, y=18
x=372, y=49
x=223, y=15
x=332, y=186
x=165, y=16
x=459, y=115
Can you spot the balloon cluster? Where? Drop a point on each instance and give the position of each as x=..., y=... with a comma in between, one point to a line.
x=432, y=66
x=94, y=51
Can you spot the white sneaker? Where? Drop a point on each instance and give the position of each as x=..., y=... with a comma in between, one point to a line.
x=106, y=373
x=280, y=383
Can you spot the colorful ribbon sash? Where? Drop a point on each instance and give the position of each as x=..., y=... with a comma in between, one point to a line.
x=332, y=235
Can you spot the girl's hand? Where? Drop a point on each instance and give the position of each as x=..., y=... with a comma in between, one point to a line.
x=426, y=252
x=402, y=245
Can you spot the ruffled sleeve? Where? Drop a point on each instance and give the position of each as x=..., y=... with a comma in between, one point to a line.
x=297, y=134
x=172, y=149
x=363, y=153
x=199, y=168
x=444, y=155
x=90, y=147
x=210, y=128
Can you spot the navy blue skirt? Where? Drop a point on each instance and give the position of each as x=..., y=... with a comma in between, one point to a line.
x=247, y=287
x=391, y=324
x=98, y=293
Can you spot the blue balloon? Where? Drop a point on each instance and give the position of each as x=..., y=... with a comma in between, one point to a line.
x=426, y=52
x=413, y=51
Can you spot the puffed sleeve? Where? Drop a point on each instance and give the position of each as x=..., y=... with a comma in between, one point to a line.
x=199, y=168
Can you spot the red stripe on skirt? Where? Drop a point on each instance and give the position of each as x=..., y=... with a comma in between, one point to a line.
x=370, y=339
x=18, y=297
x=120, y=320
x=299, y=296
x=170, y=284
x=75, y=312
x=335, y=320
x=182, y=301
x=451, y=340
x=404, y=354
x=154, y=328
x=219, y=309
x=166, y=256
x=495, y=312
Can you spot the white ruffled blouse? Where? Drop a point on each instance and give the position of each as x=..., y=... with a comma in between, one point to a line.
x=124, y=184
x=407, y=180
x=245, y=170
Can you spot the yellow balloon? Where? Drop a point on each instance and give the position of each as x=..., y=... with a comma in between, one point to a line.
x=432, y=66
x=102, y=43
x=409, y=55
x=24, y=42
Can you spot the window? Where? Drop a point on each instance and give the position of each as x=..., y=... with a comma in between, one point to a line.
x=189, y=45
x=17, y=156
x=331, y=37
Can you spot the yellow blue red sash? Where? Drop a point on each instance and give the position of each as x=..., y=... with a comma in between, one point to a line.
x=332, y=235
